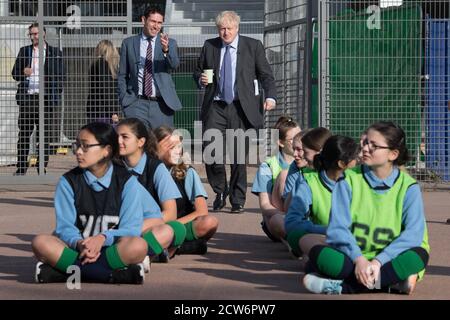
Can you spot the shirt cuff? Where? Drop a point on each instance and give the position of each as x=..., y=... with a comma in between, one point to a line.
x=383, y=258
x=109, y=239
x=200, y=84
x=73, y=243
x=355, y=254
x=272, y=99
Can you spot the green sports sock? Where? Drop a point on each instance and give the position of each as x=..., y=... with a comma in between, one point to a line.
x=154, y=247
x=190, y=232
x=113, y=258
x=293, y=238
x=330, y=262
x=407, y=263
x=67, y=258
x=179, y=232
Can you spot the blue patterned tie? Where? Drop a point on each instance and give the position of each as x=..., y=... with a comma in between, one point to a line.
x=226, y=81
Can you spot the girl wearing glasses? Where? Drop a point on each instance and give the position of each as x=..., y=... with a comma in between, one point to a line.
x=377, y=234
x=270, y=201
x=137, y=147
x=99, y=207
x=309, y=211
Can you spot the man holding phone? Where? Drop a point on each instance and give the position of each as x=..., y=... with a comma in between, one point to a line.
x=145, y=86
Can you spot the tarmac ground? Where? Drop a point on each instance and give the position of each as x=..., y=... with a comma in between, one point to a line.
x=241, y=263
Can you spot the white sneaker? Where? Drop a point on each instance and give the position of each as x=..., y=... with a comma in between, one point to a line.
x=146, y=264
x=316, y=284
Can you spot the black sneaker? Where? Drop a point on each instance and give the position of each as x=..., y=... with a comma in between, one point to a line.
x=45, y=273
x=198, y=246
x=20, y=172
x=133, y=274
x=163, y=257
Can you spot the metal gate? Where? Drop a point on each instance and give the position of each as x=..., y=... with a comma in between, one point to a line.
x=75, y=29
x=389, y=60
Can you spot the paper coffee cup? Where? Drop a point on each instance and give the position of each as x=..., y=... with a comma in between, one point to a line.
x=209, y=74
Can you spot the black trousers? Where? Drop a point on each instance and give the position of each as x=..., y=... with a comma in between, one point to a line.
x=28, y=117
x=222, y=117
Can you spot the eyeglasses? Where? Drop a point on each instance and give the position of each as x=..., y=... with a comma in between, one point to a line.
x=372, y=146
x=33, y=34
x=84, y=146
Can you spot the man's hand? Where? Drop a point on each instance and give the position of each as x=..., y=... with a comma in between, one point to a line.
x=115, y=118
x=27, y=72
x=204, y=79
x=269, y=104
x=164, y=42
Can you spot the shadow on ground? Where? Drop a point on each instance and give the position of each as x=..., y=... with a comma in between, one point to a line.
x=20, y=269
x=263, y=262
x=24, y=202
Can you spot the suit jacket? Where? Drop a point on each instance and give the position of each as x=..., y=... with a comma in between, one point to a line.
x=53, y=74
x=129, y=69
x=251, y=66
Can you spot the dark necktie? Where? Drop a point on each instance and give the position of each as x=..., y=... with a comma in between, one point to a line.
x=226, y=81
x=148, y=69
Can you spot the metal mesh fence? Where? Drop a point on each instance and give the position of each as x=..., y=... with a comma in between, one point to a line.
x=389, y=60
x=78, y=84
x=285, y=39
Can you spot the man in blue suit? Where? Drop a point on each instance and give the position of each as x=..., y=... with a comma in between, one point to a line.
x=145, y=87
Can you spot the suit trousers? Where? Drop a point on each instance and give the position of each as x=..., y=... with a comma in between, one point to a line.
x=222, y=117
x=152, y=113
x=28, y=118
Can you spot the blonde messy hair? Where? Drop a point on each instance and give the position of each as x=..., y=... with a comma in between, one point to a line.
x=106, y=50
x=228, y=16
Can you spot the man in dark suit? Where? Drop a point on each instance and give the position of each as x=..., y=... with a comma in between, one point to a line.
x=26, y=71
x=146, y=89
x=232, y=100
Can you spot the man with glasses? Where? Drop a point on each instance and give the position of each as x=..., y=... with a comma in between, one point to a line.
x=26, y=71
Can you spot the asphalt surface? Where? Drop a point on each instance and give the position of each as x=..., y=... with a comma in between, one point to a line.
x=241, y=263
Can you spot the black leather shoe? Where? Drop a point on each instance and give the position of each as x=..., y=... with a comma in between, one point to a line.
x=237, y=208
x=220, y=201
x=20, y=172
x=39, y=172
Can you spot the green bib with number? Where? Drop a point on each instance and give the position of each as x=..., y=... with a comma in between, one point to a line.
x=377, y=218
x=321, y=198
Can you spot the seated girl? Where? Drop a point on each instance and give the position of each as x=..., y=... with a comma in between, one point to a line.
x=312, y=142
x=192, y=207
x=308, y=214
x=377, y=236
x=99, y=213
x=138, y=151
x=269, y=202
